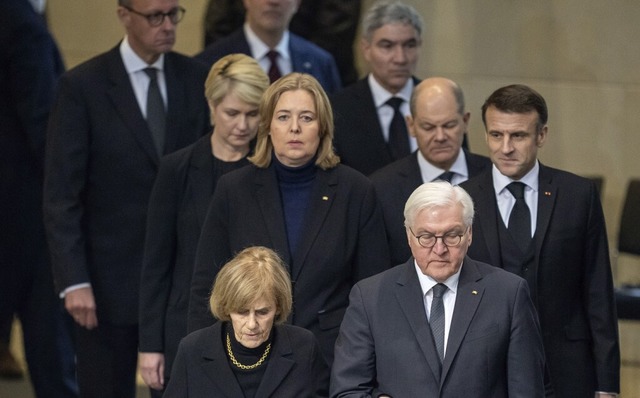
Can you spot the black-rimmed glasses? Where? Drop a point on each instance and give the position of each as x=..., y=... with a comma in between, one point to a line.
x=451, y=239
x=157, y=18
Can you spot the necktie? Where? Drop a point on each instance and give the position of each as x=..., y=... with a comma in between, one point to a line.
x=398, y=135
x=274, y=71
x=446, y=176
x=520, y=218
x=156, y=118
x=436, y=318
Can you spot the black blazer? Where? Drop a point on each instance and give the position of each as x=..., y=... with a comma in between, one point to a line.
x=100, y=167
x=306, y=57
x=344, y=242
x=394, y=184
x=295, y=367
x=574, y=289
x=358, y=135
x=386, y=346
x=177, y=209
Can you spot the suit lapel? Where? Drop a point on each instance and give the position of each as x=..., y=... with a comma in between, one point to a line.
x=468, y=298
x=411, y=301
x=371, y=121
x=299, y=59
x=487, y=216
x=176, y=94
x=278, y=367
x=215, y=365
x=200, y=182
x=267, y=196
x=124, y=101
x=547, y=194
x=322, y=197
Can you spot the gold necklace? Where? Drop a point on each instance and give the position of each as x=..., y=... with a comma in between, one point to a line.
x=246, y=367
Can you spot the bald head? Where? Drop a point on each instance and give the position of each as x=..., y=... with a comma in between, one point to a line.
x=438, y=120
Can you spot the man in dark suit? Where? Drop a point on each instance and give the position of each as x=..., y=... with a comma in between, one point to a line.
x=441, y=324
x=113, y=118
x=331, y=24
x=551, y=231
x=438, y=122
x=266, y=37
x=363, y=112
x=29, y=68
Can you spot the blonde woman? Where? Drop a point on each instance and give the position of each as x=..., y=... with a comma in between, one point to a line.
x=323, y=218
x=178, y=204
x=250, y=352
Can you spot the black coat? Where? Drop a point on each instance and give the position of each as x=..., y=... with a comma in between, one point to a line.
x=573, y=291
x=344, y=242
x=295, y=367
x=100, y=166
x=177, y=209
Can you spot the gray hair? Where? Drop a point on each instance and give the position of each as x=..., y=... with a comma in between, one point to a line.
x=389, y=12
x=438, y=194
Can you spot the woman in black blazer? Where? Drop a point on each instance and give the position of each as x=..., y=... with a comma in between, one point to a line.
x=249, y=353
x=177, y=207
x=321, y=217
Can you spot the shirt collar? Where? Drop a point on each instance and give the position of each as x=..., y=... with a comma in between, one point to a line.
x=259, y=49
x=427, y=282
x=429, y=172
x=500, y=181
x=381, y=95
x=132, y=62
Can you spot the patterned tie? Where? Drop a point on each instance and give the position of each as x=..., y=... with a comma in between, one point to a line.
x=156, y=117
x=398, y=134
x=520, y=218
x=446, y=176
x=436, y=318
x=274, y=71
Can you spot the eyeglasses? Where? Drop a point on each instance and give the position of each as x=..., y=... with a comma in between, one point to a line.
x=451, y=239
x=156, y=19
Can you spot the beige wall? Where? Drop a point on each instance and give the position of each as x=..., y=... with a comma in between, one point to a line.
x=583, y=56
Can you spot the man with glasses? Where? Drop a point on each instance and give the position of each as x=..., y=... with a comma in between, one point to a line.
x=441, y=324
x=438, y=121
x=114, y=117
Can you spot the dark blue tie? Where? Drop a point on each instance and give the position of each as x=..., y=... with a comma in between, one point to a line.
x=446, y=176
x=520, y=218
x=398, y=134
x=436, y=318
x=156, y=117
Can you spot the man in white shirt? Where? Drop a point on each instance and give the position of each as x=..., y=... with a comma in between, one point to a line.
x=113, y=118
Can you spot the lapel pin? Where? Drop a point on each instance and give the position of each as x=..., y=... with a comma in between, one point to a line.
x=547, y=193
x=325, y=198
x=474, y=292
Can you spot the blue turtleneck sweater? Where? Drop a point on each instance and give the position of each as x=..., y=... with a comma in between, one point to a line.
x=295, y=189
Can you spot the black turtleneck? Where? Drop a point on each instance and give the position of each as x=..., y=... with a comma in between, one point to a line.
x=249, y=380
x=295, y=189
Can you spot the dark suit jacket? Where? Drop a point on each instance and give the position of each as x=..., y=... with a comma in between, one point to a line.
x=306, y=57
x=100, y=167
x=358, y=135
x=344, y=241
x=177, y=209
x=385, y=344
x=295, y=368
x=574, y=290
x=394, y=184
